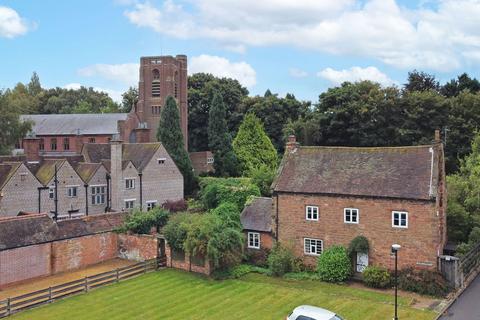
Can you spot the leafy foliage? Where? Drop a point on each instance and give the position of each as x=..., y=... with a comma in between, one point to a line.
x=252, y=146
x=10, y=125
x=129, y=99
x=358, y=244
x=262, y=177
x=422, y=282
x=334, y=265
x=281, y=260
x=170, y=134
x=215, y=191
x=220, y=140
x=175, y=231
x=142, y=222
x=376, y=277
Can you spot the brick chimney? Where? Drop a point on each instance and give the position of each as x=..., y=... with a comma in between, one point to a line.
x=437, y=136
x=31, y=148
x=116, y=148
x=292, y=144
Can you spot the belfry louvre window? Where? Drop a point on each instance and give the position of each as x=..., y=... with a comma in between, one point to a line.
x=155, y=83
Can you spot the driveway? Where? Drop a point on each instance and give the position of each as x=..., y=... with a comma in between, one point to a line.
x=467, y=306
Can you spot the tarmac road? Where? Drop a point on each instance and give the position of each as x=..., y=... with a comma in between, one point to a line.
x=467, y=306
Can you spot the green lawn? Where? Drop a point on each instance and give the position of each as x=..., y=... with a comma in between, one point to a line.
x=171, y=294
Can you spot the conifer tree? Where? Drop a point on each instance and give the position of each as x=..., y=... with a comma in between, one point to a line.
x=253, y=147
x=170, y=135
x=219, y=139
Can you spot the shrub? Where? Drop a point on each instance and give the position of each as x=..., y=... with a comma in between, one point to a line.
x=376, y=277
x=280, y=260
x=215, y=191
x=142, y=222
x=229, y=214
x=334, y=265
x=257, y=257
x=175, y=206
x=423, y=282
x=176, y=230
x=358, y=244
x=262, y=177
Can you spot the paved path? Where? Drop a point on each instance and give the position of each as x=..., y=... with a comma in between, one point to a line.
x=467, y=306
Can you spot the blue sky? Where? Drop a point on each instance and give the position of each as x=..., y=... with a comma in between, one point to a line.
x=302, y=46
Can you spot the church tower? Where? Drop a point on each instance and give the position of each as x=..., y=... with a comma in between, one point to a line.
x=160, y=77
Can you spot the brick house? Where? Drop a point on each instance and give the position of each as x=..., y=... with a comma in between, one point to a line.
x=257, y=224
x=202, y=161
x=326, y=196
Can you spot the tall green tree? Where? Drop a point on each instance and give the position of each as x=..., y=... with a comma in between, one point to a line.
x=463, y=82
x=11, y=127
x=34, y=86
x=421, y=81
x=170, y=135
x=252, y=146
x=219, y=139
x=129, y=99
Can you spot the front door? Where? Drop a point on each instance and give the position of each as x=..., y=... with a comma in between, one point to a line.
x=362, y=261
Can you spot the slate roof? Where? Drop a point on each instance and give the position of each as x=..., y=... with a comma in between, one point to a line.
x=45, y=169
x=87, y=170
x=6, y=172
x=69, y=124
x=139, y=153
x=396, y=172
x=39, y=228
x=257, y=215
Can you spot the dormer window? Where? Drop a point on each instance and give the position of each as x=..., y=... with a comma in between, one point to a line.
x=161, y=160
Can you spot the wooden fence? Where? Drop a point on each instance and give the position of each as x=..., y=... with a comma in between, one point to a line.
x=459, y=272
x=48, y=295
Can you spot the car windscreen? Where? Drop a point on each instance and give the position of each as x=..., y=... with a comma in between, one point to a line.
x=335, y=317
x=304, y=318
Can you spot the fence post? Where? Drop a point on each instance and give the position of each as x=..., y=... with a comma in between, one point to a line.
x=8, y=306
x=49, y=294
x=86, y=284
x=145, y=266
x=117, y=275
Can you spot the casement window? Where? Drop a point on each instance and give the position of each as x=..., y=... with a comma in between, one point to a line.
x=399, y=219
x=210, y=160
x=156, y=109
x=53, y=144
x=72, y=191
x=129, y=203
x=98, y=194
x=313, y=246
x=66, y=143
x=311, y=213
x=161, y=160
x=91, y=140
x=51, y=192
x=151, y=204
x=41, y=146
x=253, y=240
x=130, y=183
x=351, y=215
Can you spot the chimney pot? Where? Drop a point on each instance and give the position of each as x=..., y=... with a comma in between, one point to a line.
x=292, y=144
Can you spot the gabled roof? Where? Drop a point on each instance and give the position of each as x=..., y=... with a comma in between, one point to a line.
x=87, y=170
x=71, y=124
x=7, y=170
x=45, y=170
x=396, y=172
x=258, y=215
x=139, y=154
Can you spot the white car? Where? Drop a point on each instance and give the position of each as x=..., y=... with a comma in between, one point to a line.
x=312, y=313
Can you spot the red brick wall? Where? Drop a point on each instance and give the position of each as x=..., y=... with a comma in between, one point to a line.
x=186, y=264
x=137, y=247
x=421, y=242
x=84, y=251
x=75, y=143
x=199, y=161
x=24, y=263
x=266, y=239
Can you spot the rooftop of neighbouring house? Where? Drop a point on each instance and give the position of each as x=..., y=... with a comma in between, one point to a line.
x=396, y=172
x=6, y=172
x=257, y=215
x=34, y=229
x=72, y=124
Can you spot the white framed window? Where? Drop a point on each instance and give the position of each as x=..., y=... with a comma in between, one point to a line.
x=161, y=160
x=98, y=194
x=129, y=203
x=72, y=191
x=312, y=246
x=399, y=219
x=210, y=160
x=254, y=240
x=311, y=213
x=351, y=215
x=51, y=192
x=129, y=183
x=151, y=204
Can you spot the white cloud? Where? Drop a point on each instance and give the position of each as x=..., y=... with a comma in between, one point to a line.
x=222, y=67
x=114, y=94
x=355, y=74
x=126, y=73
x=11, y=24
x=297, y=73
x=428, y=37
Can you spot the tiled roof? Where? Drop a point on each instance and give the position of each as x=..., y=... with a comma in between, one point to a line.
x=139, y=153
x=45, y=170
x=397, y=172
x=87, y=170
x=55, y=124
x=6, y=172
x=39, y=228
x=258, y=215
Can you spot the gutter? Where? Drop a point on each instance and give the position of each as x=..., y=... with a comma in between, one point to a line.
x=86, y=199
x=140, y=175
x=40, y=198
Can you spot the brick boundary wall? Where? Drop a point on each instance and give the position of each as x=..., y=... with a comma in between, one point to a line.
x=137, y=247
x=187, y=264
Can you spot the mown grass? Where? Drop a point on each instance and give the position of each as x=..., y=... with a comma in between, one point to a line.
x=171, y=294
